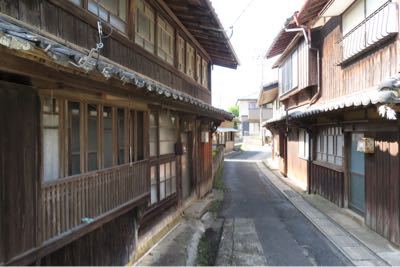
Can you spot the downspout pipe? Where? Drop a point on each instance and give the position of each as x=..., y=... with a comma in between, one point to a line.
x=307, y=37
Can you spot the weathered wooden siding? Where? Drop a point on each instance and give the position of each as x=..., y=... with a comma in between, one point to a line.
x=205, y=171
x=297, y=167
x=328, y=183
x=112, y=244
x=307, y=66
x=362, y=74
x=53, y=19
x=19, y=168
x=382, y=186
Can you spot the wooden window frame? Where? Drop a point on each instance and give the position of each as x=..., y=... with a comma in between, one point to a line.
x=158, y=160
x=64, y=143
x=144, y=39
x=164, y=28
x=124, y=22
x=303, y=141
x=199, y=68
x=322, y=141
x=190, y=64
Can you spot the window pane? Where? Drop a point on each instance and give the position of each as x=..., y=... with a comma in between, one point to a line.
x=144, y=26
x=153, y=135
x=153, y=193
x=173, y=185
x=167, y=131
x=168, y=170
x=74, y=138
x=373, y=5
x=353, y=16
x=92, y=137
x=51, y=165
x=77, y=2
x=107, y=137
x=204, y=73
x=173, y=169
x=162, y=190
x=140, y=129
x=162, y=172
x=51, y=141
x=294, y=69
x=340, y=144
x=168, y=188
x=121, y=136
x=153, y=174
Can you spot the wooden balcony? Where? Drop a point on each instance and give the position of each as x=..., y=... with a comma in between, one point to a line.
x=67, y=204
x=375, y=29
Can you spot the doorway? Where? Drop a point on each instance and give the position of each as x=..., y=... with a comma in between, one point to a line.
x=357, y=175
x=186, y=163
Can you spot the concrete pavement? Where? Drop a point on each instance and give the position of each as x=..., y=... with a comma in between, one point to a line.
x=285, y=235
x=355, y=251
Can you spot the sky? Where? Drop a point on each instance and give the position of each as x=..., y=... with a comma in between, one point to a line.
x=255, y=25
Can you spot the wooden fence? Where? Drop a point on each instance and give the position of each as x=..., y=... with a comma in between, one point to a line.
x=73, y=201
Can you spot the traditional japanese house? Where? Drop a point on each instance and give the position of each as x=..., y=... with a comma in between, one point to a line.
x=225, y=135
x=339, y=83
x=106, y=120
x=268, y=94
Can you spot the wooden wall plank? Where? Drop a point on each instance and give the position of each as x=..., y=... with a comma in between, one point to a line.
x=383, y=187
x=328, y=183
x=30, y=11
x=20, y=167
x=10, y=7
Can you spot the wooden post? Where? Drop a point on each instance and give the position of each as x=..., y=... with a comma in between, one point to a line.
x=346, y=159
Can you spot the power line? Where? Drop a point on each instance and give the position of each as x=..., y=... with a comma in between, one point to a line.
x=241, y=13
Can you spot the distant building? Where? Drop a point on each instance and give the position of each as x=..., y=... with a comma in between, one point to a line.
x=225, y=135
x=251, y=115
x=265, y=102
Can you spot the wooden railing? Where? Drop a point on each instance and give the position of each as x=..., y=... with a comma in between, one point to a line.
x=70, y=202
x=377, y=27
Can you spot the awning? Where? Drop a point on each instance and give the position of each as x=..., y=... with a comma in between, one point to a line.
x=17, y=37
x=226, y=130
x=375, y=96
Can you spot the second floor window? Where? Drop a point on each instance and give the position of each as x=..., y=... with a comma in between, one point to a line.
x=252, y=105
x=198, y=68
x=358, y=12
x=181, y=53
x=190, y=60
x=111, y=11
x=204, y=77
x=144, y=26
x=165, y=41
x=289, y=73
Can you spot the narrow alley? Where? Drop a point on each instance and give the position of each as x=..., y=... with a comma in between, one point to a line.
x=286, y=236
x=261, y=227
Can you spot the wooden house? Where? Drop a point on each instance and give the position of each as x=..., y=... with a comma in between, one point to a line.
x=106, y=121
x=268, y=94
x=225, y=135
x=338, y=82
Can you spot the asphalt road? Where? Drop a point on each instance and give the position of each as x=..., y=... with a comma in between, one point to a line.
x=286, y=236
